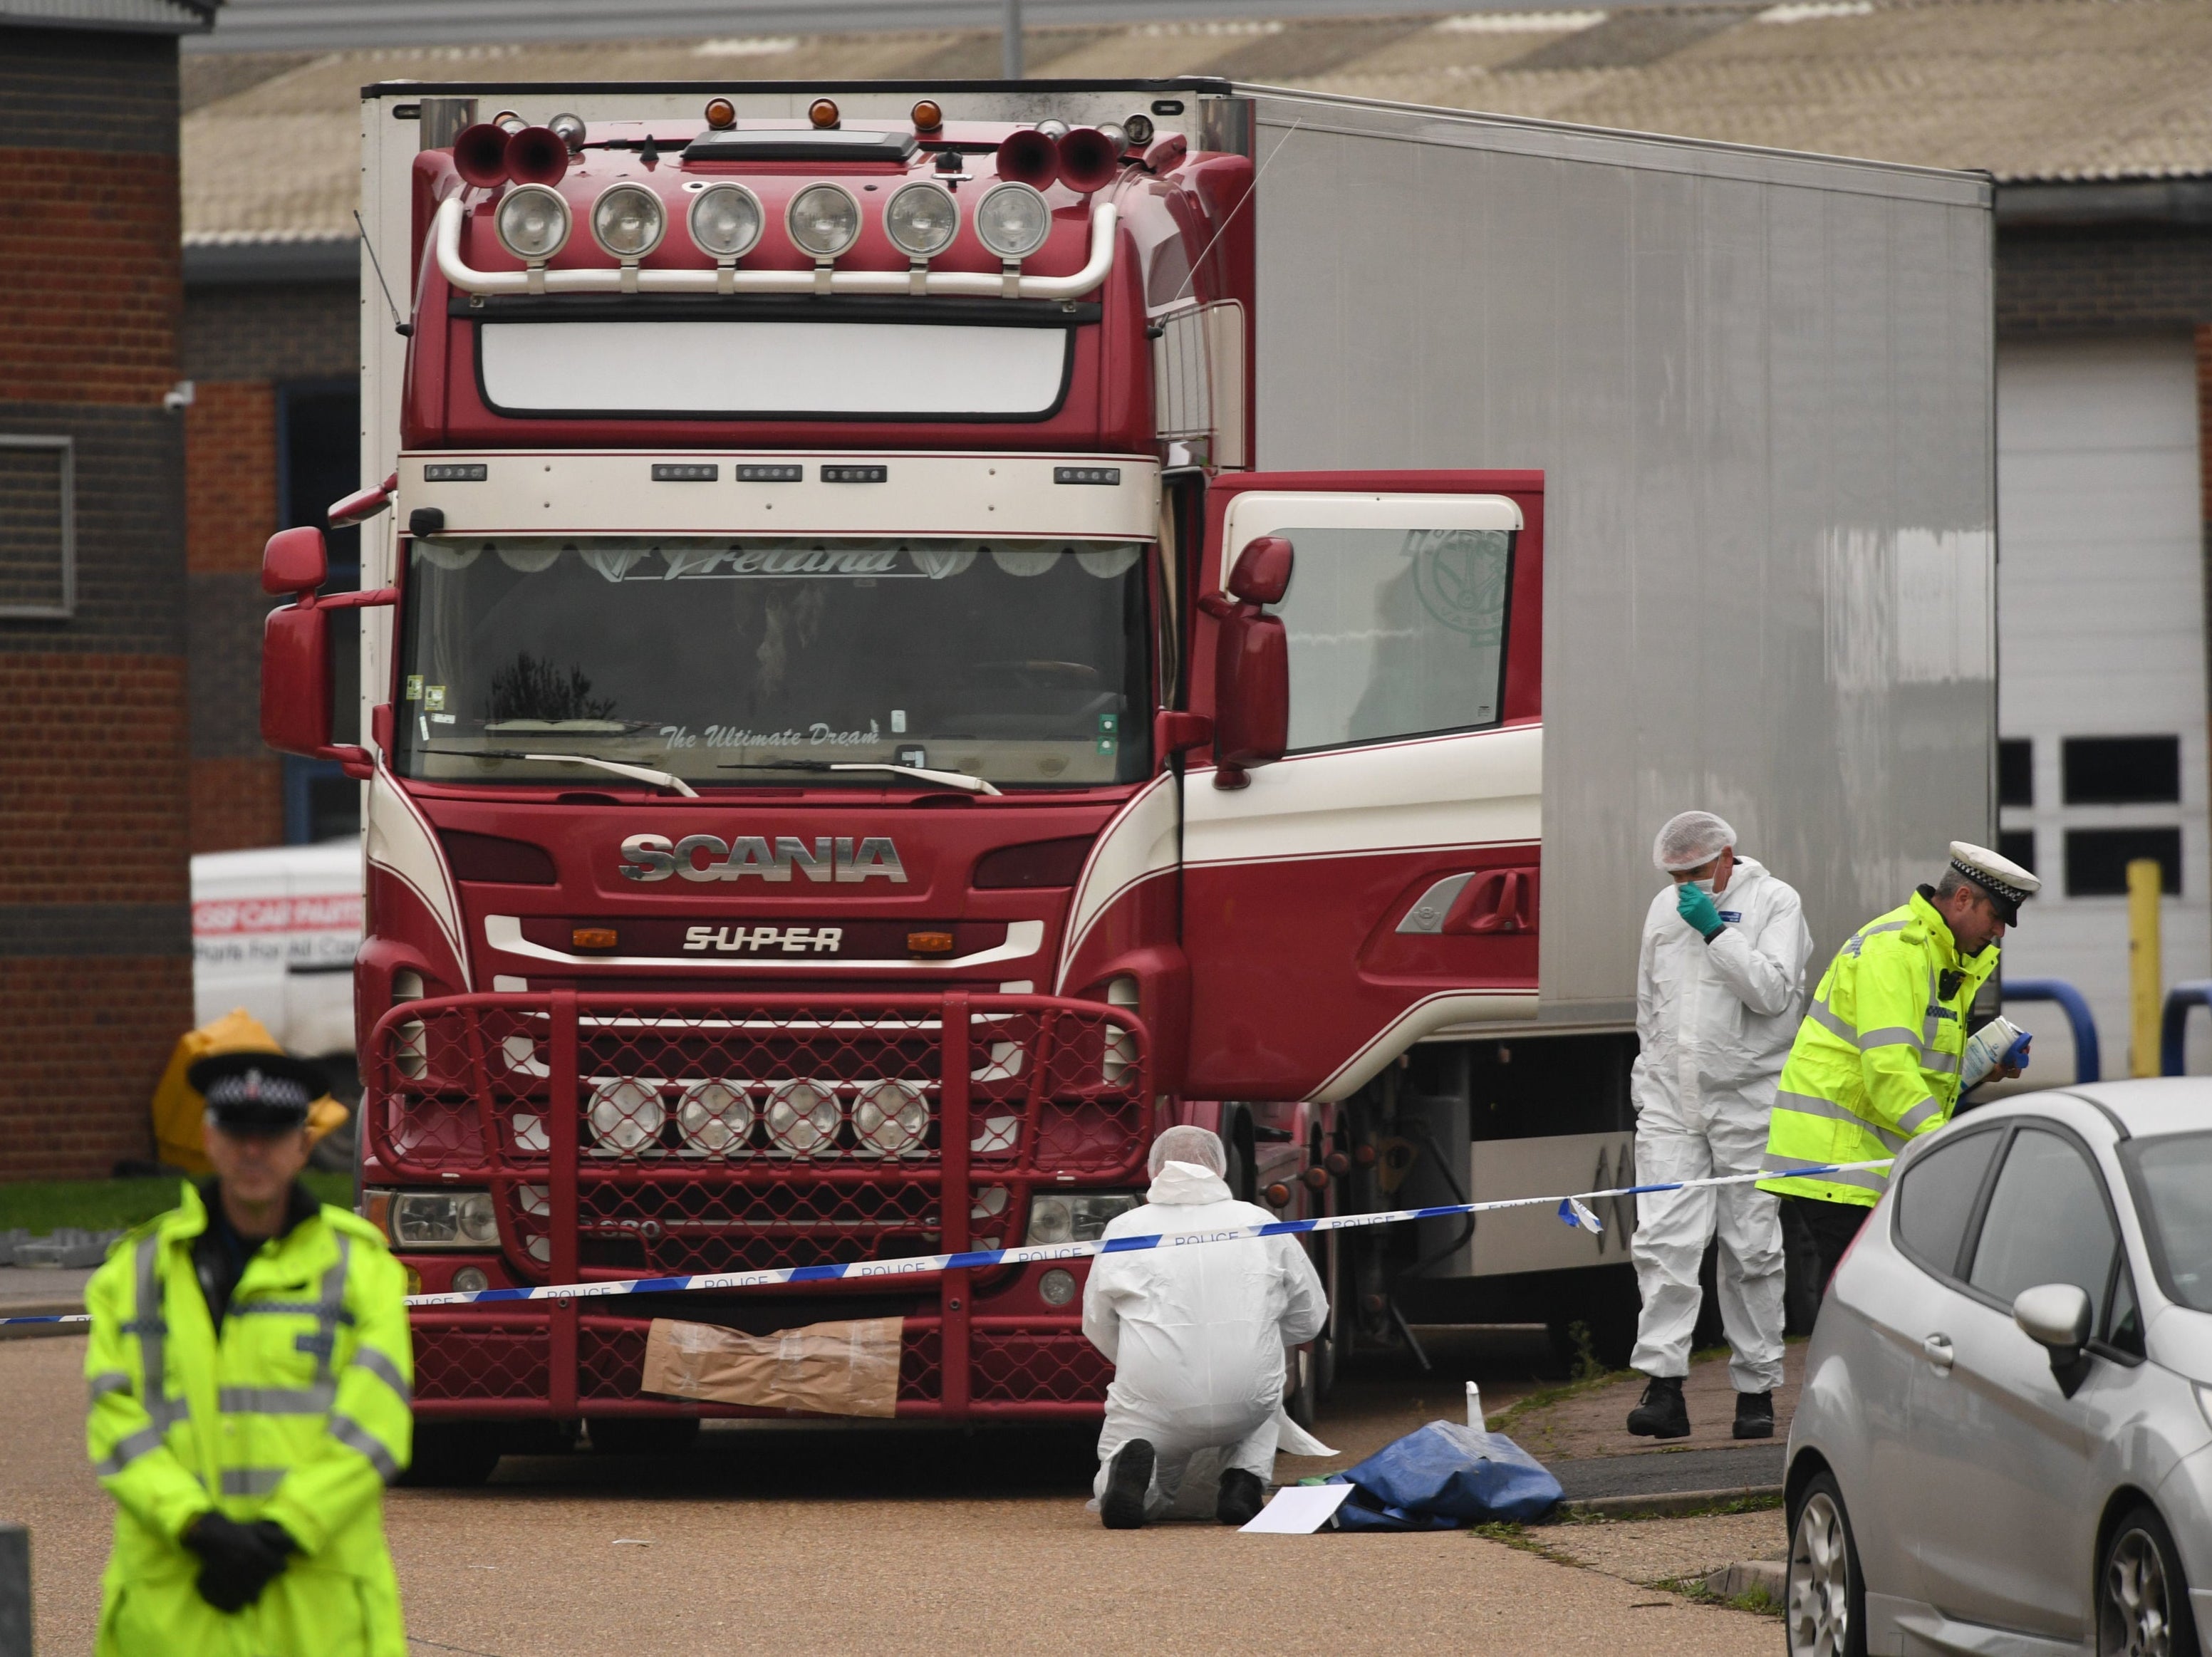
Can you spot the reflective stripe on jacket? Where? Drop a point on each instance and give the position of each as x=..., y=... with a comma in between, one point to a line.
x=299, y=1412
x=1876, y=1061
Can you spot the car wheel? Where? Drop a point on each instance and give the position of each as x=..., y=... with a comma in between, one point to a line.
x=2142, y=1598
x=1825, y=1608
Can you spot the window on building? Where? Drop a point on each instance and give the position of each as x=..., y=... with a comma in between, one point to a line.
x=2121, y=770
x=2097, y=860
x=2016, y=772
x=1396, y=632
x=38, y=528
x=318, y=462
x=2019, y=845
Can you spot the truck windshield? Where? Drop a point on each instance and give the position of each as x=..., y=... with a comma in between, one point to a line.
x=725, y=660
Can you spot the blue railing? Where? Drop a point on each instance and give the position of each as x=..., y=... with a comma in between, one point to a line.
x=2173, y=1024
x=2087, y=1062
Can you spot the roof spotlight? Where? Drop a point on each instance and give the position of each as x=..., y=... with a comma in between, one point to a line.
x=570, y=131
x=922, y=219
x=628, y=221
x=928, y=116
x=823, y=111
x=508, y=122
x=532, y=222
x=823, y=220
x=721, y=114
x=725, y=220
x=1013, y=220
x=1054, y=131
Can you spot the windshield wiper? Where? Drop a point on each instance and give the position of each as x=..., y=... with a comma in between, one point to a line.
x=635, y=773
x=944, y=779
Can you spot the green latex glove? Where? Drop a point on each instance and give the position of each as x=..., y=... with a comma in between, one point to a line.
x=1699, y=909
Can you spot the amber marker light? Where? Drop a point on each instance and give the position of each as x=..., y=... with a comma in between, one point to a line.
x=822, y=113
x=721, y=114
x=929, y=944
x=593, y=938
x=928, y=117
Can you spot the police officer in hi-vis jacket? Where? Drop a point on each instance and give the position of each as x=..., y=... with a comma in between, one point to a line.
x=250, y=1373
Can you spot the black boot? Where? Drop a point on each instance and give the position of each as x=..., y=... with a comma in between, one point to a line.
x=1128, y=1481
x=1755, y=1415
x=1662, y=1414
x=1241, y=1497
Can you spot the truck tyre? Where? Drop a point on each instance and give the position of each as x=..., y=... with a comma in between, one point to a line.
x=452, y=1455
x=643, y=1435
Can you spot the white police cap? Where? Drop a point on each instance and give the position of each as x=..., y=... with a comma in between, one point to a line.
x=2008, y=885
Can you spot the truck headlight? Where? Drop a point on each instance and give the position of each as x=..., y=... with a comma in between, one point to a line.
x=802, y=1119
x=628, y=221
x=715, y=1118
x=725, y=220
x=439, y=1219
x=922, y=219
x=534, y=223
x=891, y=1120
x=1073, y=1217
x=626, y=1118
x=823, y=220
x=1013, y=220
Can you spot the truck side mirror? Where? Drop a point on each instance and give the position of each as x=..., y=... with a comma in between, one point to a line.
x=294, y=562
x=1262, y=575
x=295, y=681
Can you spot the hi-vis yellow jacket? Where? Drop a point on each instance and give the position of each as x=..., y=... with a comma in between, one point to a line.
x=300, y=1413
x=1876, y=1061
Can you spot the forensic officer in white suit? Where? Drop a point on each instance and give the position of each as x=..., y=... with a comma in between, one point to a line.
x=1720, y=984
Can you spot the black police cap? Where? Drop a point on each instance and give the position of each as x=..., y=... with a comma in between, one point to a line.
x=256, y=1092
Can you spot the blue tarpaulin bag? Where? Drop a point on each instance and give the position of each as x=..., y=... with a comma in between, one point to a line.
x=1445, y=1475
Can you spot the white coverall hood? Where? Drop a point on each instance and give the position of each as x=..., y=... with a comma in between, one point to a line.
x=1196, y=1333
x=1714, y=1022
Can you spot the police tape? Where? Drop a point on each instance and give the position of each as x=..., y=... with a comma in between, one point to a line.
x=1574, y=1210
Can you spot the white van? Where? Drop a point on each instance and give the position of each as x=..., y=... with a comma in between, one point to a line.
x=274, y=930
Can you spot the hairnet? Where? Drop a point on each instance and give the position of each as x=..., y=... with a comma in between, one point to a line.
x=1690, y=840
x=1188, y=1145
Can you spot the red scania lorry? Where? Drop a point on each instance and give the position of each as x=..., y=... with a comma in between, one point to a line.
x=913, y=633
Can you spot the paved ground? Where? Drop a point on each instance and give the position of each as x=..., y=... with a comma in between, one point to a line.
x=42, y=1288
x=786, y=1537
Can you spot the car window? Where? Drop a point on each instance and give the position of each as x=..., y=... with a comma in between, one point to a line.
x=2124, y=1330
x=1935, y=1198
x=2173, y=1195
x=2046, y=1223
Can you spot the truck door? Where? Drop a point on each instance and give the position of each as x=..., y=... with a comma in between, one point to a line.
x=1382, y=881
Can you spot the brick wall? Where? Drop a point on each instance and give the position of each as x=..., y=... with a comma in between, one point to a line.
x=272, y=332
x=95, y=936
x=2114, y=280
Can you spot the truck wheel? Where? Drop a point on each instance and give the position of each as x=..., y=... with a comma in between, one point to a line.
x=643, y=1435
x=452, y=1455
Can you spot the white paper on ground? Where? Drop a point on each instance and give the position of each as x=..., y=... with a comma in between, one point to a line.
x=1299, y=1510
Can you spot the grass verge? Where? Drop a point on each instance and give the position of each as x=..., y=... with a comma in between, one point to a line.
x=1544, y=1397
x=41, y=1206
x=1758, y=1602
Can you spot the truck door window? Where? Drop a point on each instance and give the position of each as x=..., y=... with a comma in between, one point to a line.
x=1022, y=662
x=1394, y=632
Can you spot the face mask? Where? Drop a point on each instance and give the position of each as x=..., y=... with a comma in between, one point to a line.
x=1703, y=885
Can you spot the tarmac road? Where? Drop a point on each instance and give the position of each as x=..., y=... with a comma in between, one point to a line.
x=784, y=1537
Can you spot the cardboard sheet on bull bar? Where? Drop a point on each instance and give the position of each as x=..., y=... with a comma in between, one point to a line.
x=825, y=1369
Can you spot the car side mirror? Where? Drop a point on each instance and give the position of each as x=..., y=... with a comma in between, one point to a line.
x=294, y=561
x=2057, y=1316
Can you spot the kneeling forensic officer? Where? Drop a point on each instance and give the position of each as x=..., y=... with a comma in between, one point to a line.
x=1196, y=1334
x=250, y=1373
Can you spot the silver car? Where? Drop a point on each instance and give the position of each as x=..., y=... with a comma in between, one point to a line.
x=2004, y=1443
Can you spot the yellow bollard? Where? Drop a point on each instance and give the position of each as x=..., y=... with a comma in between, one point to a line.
x=2146, y=992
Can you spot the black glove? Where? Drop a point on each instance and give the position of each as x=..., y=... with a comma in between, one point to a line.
x=237, y=1561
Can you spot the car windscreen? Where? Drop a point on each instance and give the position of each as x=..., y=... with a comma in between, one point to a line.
x=731, y=660
x=2172, y=1180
